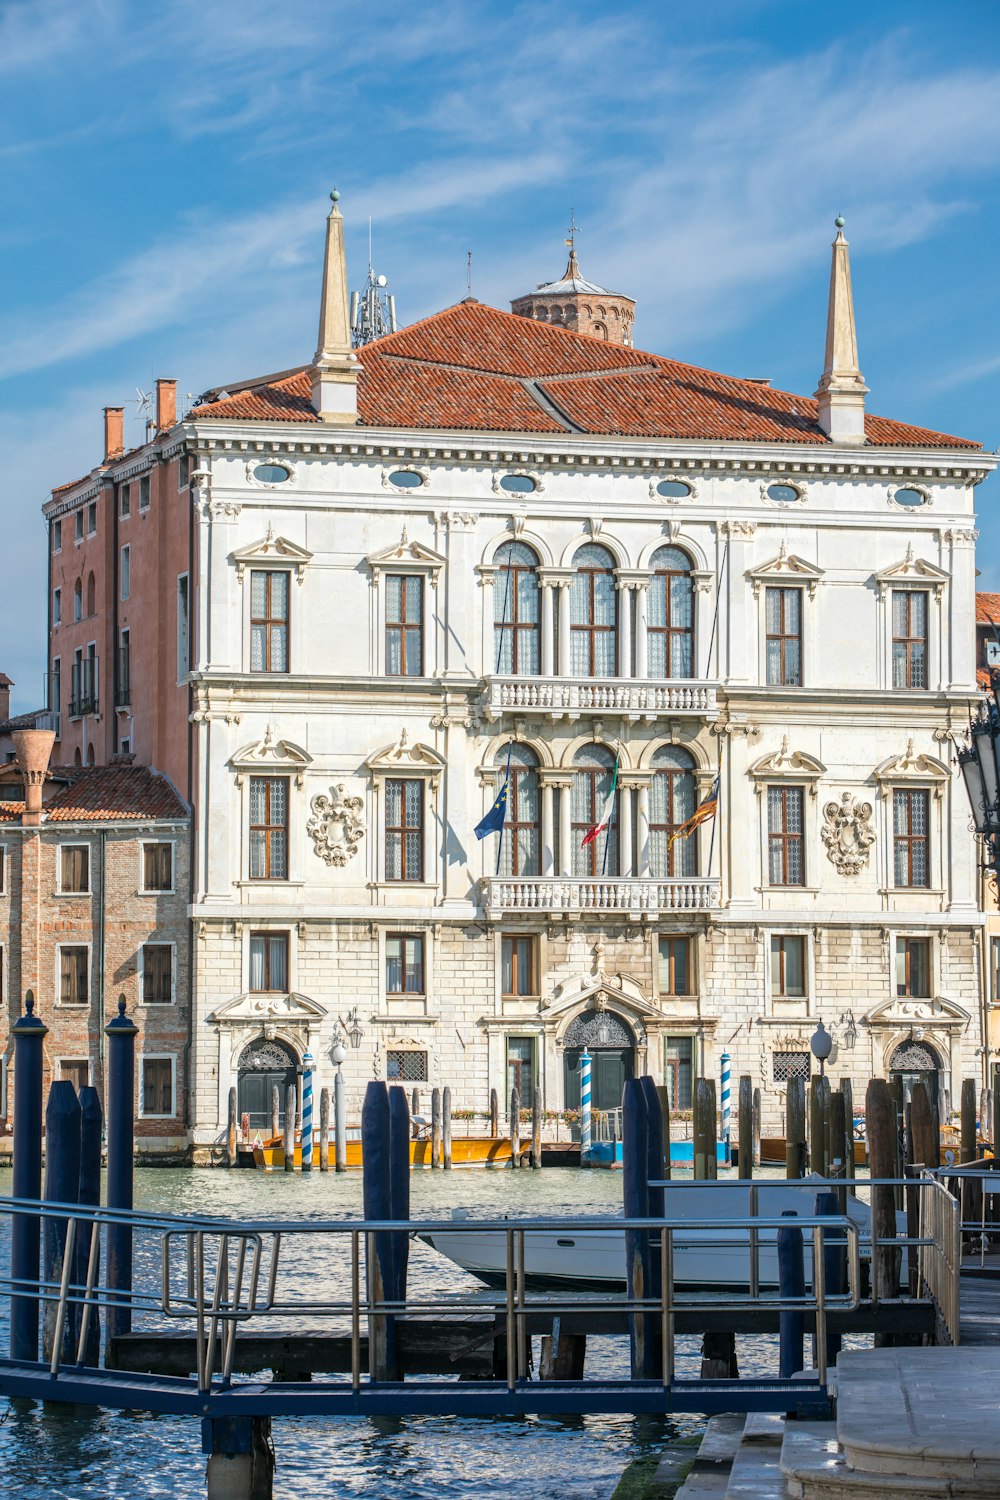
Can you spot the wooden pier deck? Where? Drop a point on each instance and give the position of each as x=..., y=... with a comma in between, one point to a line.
x=980, y=1300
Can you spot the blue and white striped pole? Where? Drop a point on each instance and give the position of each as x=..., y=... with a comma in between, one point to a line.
x=307, y=1112
x=724, y=1062
x=584, y=1106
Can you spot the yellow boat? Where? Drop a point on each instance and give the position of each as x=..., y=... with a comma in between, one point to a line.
x=269, y=1155
x=466, y=1151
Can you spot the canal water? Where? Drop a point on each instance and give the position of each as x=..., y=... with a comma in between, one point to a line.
x=56, y=1452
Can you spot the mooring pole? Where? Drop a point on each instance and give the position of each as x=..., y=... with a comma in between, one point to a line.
x=663, y=1094
x=291, y=1109
x=515, y=1128
x=795, y=1128
x=791, y=1283
x=435, y=1128
x=324, y=1130
x=745, y=1126
x=756, y=1127
x=121, y=1034
x=705, y=1144
x=307, y=1111
x=446, y=1127
x=25, y=1236
x=725, y=1065
x=275, y=1112
x=376, y=1158
x=399, y=1188
x=585, y=1112
x=62, y=1185
x=494, y=1114
x=339, y=1121
x=231, y=1132
x=536, y=1130
x=91, y=1130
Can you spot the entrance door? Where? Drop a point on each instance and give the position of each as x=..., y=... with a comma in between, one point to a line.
x=611, y=1044
x=262, y=1065
x=916, y=1062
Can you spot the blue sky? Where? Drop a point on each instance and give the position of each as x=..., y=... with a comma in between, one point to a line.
x=165, y=170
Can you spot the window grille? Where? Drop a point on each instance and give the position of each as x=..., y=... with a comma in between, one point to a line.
x=406, y=1067
x=786, y=1065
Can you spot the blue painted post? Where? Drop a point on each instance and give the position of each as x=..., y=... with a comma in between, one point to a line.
x=654, y=1208
x=635, y=1193
x=62, y=1185
x=834, y=1264
x=377, y=1195
x=121, y=1034
x=399, y=1186
x=585, y=1120
x=791, y=1283
x=91, y=1130
x=25, y=1235
x=307, y=1112
x=727, y=1108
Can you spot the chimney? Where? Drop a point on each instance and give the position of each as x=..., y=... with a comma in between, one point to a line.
x=334, y=372
x=114, y=432
x=842, y=390
x=5, y=687
x=166, y=404
x=33, y=748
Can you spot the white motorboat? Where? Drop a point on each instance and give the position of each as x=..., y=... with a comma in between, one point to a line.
x=704, y=1257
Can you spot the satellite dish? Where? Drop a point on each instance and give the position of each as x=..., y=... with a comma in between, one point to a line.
x=381, y=281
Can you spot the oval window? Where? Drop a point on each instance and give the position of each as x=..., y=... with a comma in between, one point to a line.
x=910, y=497
x=674, y=489
x=517, y=484
x=783, y=494
x=272, y=473
x=406, y=479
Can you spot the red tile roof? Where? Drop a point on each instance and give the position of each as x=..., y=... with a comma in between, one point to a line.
x=987, y=609
x=472, y=367
x=99, y=794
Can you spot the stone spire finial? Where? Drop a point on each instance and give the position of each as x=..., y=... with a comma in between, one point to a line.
x=842, y=390
x=335, y=369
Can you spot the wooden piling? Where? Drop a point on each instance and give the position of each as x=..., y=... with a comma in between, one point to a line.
x=745, y=1125
x=275, y=1112
x=515, y=1128
x=756, y=1127
x=562, y=1356
x=706, y=1160
x=435, y=1127
x=415, y=1102
x=324, y=1130
x=231, y=1132
x=984, y=1114
x=880, y=1121
x=536, y=1130
x=922, y=1127
x=795, y=1128
x=968, y=1136
x=663, y=1094
x=847, y=1090
x=446, y=1128
x=836, y=1166
x=817, y=1127
x=494, y=1114
x=291, y=1107
x=896, y=1089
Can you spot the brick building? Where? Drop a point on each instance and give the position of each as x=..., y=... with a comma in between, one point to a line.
x=93, y=904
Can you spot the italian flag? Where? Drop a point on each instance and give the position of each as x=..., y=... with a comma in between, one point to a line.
x=604, y=821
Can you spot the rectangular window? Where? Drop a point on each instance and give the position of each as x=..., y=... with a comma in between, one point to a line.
x=125, y=501
x=268, y=827
x=123, y=685
x=404, y=830
x=519, y=965
x=910, y=816
x=57, y=536
x=909, y=638
x=78, y=526
x=73, y=967
x=57, y=606
x=521, y=1068
x=913, y=968
x=788, y=967
x=783, y=612
x=995, y=970
x=157, y=1087
x=74, y=869
x=55, y=687
x=785, y=809
x=406, y=1066
x=157, y=867
x=92, y=519
x=157, y=974
x=144, y=492
x=125, y=572
x=183, y=658
x=404, y=625
x=404, y=964
x=269, y=962
x=75, y=1070
x=678, y=1070
x=675, y=966
x=183, y=471
x=785, y=1065
x=269, y=621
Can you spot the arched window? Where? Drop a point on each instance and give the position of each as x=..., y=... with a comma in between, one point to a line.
x=670, y=615
x=593, y=614
x=520, y=852
x=516, y=596
x=90, y=755
x=77, y=600
x=671, y=803
x=91, y=595
x=77, y=757
x=594, y=768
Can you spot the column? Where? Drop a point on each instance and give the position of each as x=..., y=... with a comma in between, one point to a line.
x=625, y=851
x=548, y=654
x=548, y=863
x=644, y=830
x=624, y=630
x=641, y=625
x=565, y=829
x=564, y=631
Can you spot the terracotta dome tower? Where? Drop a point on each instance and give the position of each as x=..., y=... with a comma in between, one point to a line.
x=573, y=302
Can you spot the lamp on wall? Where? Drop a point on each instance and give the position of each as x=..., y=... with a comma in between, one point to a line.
x=979, y=764
x=353, y=1028
x=850, y=1031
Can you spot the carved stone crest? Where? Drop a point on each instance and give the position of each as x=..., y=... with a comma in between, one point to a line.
x=847, y=833
x=336, y=826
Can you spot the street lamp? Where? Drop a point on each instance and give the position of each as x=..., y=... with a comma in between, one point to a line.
x=354, y=1029
x=821, y=1045
x=979, y=763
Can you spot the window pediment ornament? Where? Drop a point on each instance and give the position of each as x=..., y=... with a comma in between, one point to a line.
x=271, y=550
x=787, y=765
x=408, y=557
x=912, y=570
x=289, y=1009
x=901, y=1011
x=271, y=755
x=336, y=826
x=404, y=759
x=912, y=766
x=847, y=833
x=786, y=568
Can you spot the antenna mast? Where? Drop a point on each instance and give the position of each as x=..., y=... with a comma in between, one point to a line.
x=373, y=309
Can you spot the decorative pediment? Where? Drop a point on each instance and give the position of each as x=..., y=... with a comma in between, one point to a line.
x=900, y=1012
x=411, y=557
x=786, y=569
x=280, y=1010
x=336, y=826
x=271, y=755
x=271, y=551
x=912, y=570
x=787, y=765
x=911, y=766
x=404, y=759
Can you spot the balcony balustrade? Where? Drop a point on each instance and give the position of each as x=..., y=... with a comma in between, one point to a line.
x=563, y=893
x=569, y=697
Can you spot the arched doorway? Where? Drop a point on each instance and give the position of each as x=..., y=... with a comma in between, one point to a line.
x=611, y=1044
x=916, y=1062
x=262, y=1065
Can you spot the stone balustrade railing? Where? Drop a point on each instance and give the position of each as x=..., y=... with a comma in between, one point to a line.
x=561, y=893
x=568, y=697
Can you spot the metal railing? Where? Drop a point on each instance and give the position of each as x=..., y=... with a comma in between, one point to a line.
x=606, y=1125
x=940, y=1254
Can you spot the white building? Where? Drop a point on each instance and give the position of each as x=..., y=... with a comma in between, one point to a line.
x=483, y=537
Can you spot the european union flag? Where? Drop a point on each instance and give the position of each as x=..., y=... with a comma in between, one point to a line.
x=494, y=819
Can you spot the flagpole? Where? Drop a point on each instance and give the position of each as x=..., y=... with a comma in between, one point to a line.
x=503, y=825
x=718, y=802
x=715, y=616
x=503, y=614
x=613, y=819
